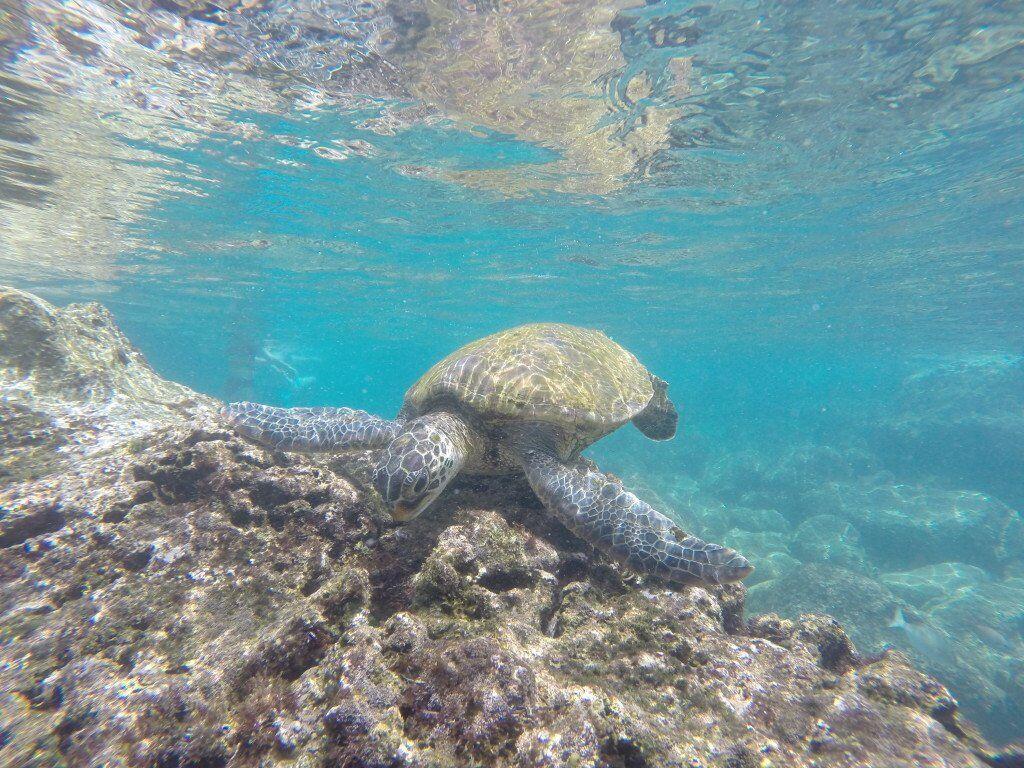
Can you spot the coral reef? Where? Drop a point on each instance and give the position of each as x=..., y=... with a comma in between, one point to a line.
x=183, y=598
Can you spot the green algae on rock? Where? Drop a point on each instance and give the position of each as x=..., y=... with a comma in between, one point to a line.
x=198, y=601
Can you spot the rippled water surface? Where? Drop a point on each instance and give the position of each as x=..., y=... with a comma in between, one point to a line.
x=807, y=216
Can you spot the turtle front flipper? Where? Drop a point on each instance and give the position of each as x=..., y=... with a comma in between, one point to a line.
x=601, y=511
x=310, y=429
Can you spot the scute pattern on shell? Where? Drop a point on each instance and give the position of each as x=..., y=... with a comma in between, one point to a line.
x=544, y=371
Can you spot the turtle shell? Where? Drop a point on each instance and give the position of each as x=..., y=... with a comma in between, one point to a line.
x=551, y=372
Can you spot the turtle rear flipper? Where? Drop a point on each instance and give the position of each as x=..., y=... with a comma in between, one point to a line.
x=660, y=419
x=310, y=429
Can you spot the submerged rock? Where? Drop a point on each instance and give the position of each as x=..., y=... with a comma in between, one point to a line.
x=188, y=599
x=862, y=604
x=981, y=623
x=912, y=525
x=828, y=539
x=961, y=421
x=848, y=512
x=73, y=386
x=791, y=483
x=933, y=582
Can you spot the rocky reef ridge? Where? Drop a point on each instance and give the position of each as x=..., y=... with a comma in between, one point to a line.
x=173, y=596
x=72, y=387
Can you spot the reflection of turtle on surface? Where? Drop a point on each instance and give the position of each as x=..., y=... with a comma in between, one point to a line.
x=527, y=400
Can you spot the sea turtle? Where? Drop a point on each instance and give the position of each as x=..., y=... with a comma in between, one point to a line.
x=527, y=399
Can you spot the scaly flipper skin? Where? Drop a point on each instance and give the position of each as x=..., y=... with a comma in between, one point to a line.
x=311, y=429
x=602, y=512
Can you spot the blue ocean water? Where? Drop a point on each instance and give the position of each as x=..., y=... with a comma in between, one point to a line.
x=807, y=217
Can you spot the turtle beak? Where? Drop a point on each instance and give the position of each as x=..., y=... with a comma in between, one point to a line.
x=403, y=512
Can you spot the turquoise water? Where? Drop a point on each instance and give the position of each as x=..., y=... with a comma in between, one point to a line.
x=807, y=217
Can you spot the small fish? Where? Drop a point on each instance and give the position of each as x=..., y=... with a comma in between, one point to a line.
x=998, y=641
x=931, y=642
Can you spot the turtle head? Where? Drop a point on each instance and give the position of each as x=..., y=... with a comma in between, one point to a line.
x=418, y=464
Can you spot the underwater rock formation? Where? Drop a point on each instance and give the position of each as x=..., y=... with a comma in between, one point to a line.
x=72, y=386
x=968, y=631
x=910, y=525
x=840, y=513
x=828, y=539
x=790, y=482
x=963, y=422
x=185, y=598
x=859, y=541
x=861, y=603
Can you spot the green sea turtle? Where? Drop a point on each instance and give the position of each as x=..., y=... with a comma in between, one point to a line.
x=528, y=399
